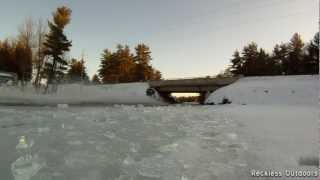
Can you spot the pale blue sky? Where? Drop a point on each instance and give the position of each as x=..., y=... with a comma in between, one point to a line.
x=188, y=38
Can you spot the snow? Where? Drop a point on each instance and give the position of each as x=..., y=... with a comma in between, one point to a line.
x=126, y=93
x=5, y=75
x=176, y=142
x=269, y=90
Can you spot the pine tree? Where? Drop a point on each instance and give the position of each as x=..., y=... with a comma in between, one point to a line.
x=250, y=55
x=142, y=59
x=311, y=59
x=237, y=63
x=106, y=64
x=291, y=58
x=123, y=66
x=144, y=71
x=126, y=64
x=294, y=63
x=280, y=58
x=77, y=71
x=262, y=62
x=56, y=44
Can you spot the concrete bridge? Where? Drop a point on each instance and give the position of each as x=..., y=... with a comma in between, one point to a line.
x=203, y=86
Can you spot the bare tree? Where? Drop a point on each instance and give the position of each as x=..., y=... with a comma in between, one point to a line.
x=26, y=40
x=32, y=35
x=27, y=33
x=40, y=57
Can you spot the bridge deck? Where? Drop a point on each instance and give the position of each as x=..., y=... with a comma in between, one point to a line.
x=192, y=85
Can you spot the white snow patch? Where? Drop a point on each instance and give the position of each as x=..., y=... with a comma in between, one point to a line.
x=126, y=93
x=169, y=148
x=232, y=136
x=44, y=130
x=62, y=106
x=286, y=90
x=77, y=143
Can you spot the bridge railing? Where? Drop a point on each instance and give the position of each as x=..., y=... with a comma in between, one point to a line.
x=200, y=77
x=187, y=78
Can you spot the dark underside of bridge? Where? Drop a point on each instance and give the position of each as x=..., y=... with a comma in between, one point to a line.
x=203, y=86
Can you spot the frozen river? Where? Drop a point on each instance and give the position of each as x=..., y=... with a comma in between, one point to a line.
x=152, y=143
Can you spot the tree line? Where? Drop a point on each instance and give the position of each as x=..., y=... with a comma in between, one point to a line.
x=16, y=57
x=39, y=51
x=292, y=58
x=40, y=54
x=124, y=66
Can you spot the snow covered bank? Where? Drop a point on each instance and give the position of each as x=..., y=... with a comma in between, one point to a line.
x=285, y=90
x=277, y=118
x=129, y=93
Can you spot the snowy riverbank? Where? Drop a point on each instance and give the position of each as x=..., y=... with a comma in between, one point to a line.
x=278, y=119
x=271, y=90
x=75, y=94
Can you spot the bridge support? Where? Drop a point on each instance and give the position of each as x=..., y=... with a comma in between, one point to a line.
x=167, y=97
x=203, y=96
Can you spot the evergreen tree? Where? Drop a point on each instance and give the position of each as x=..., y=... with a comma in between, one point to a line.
x=293, y=65
x=236, y=63
x=279, y=58
x=143, y=71
x=56, y=44
x=77, y=71
x=126, y=64
x=123, y=66
x=250, y=55
x=262, y=63
x=291, y=58
x=106, y=71
x=311, y=60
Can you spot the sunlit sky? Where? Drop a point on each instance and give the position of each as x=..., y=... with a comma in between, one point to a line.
x=188, y=38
